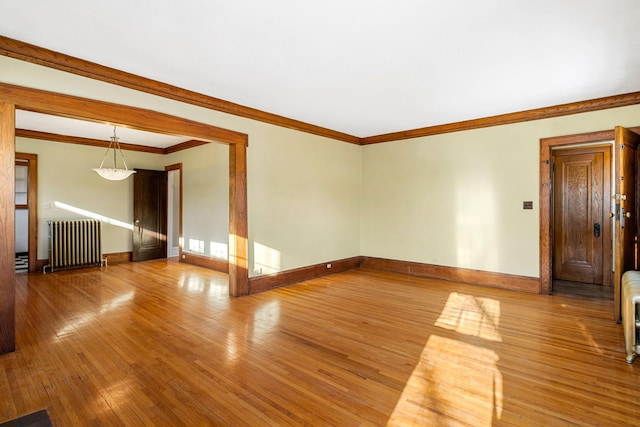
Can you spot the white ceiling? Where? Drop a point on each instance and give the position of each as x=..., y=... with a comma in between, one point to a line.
x=362, y=67
x=71, y=127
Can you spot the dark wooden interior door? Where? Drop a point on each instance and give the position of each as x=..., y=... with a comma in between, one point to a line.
x=626, y=243
x=579, y=207
x=149, y=215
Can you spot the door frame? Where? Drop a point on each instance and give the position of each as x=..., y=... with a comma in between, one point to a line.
x=53, y=103
x=626, y=140
x=607, y=237
x=177, y=168
x=32, y=206
x=546, y=144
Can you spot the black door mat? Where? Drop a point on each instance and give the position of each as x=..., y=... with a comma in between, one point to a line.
x=37, y=419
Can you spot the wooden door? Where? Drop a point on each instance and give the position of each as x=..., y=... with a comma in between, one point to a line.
x=626, y=242
x=582, y=232
x=149, y=215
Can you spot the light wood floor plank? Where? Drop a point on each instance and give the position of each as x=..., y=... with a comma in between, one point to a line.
x=161, y=344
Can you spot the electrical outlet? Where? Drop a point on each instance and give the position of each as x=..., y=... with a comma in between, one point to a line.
x=329, y=265
x=258, y=271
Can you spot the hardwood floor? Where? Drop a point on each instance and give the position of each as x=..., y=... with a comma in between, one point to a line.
x=157, y=343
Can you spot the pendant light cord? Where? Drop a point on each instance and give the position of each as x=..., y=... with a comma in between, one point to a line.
x=114, y=139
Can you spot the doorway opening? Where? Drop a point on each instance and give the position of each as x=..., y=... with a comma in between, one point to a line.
x=26, y=213
x=69, y=106
x=22, y=216
x=174, y=209
x=581, y=223
x=622, y=211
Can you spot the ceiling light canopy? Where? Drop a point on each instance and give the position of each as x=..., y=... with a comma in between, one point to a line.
x=114, y=174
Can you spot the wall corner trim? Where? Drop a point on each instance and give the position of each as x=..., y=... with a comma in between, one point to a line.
x=463, y=275
x=211, y=263
x=289, y=277
x=453, y=274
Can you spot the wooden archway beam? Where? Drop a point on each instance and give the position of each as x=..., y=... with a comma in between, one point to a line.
x=75, y=107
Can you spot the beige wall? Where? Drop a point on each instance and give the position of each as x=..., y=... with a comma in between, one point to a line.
x=205, y=172
x=304, y=200
x=456, y=199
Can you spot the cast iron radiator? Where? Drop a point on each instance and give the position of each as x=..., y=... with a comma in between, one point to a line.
x=630, y=314
x=74, y=244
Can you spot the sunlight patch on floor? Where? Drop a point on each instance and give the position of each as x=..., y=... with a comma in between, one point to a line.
x=469, y=315
x=456, y=382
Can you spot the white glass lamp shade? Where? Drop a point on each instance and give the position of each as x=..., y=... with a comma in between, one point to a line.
x=114, y=174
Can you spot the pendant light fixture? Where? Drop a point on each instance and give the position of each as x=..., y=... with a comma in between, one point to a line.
x=114, y=174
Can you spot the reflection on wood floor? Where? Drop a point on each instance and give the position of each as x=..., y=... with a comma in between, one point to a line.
x=161, y=343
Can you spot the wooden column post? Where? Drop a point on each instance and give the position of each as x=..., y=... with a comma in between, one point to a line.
x=7, y=228
x=238, y=234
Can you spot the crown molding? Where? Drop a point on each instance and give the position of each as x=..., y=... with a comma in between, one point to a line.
x=70, y=106
x=59, y=61
x=38, y=55
x=510, y=118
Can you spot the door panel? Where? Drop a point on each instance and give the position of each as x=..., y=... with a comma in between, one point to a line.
x=149, y=215
x=625, y=213
x=579, y=217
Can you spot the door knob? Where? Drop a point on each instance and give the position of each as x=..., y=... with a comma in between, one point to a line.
x=628, y=214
